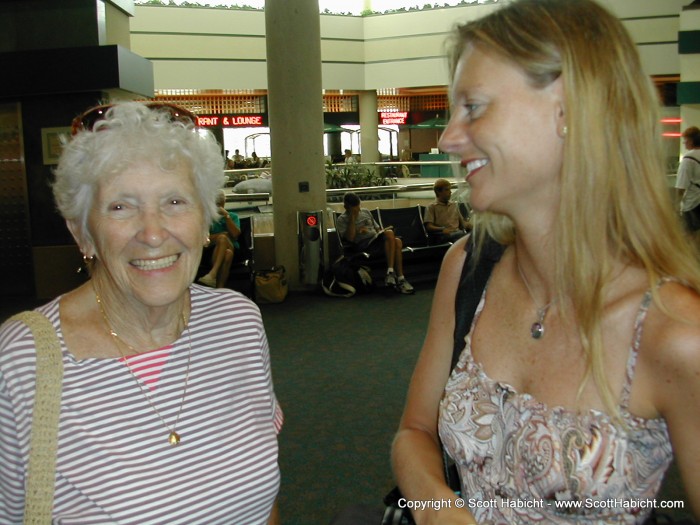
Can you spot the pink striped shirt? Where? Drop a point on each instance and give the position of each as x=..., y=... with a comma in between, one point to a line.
x=147, y=366
x=114, y=461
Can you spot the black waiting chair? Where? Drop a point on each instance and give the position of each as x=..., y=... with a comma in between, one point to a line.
x=241, y=275
x=407, y=224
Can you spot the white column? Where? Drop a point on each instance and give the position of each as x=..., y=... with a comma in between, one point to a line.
x=369, y=126
x=293, y=37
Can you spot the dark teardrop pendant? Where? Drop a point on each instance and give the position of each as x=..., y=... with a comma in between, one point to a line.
x=537, y=330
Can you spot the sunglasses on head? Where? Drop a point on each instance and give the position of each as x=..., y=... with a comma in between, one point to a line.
x=87, y=120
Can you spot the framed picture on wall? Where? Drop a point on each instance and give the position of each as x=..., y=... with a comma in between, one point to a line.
x=52, y=140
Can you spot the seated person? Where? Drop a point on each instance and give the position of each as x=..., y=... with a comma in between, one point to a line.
x=229, y=161
x=357, y=226
x=238, y=160
x=223, y=234
x=254, y=161
x=349, y=158
x=442, y=220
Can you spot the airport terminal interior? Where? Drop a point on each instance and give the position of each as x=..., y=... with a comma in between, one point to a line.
x=306, y=104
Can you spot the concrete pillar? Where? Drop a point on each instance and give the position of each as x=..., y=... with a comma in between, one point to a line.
x=295, y=108
x=369, y=141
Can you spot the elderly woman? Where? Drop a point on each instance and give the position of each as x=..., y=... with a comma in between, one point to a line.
x=168, y=413
x=578, y=379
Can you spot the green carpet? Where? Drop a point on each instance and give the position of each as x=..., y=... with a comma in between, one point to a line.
x=341, y=369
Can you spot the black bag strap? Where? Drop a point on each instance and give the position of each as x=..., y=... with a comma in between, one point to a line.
x=471, y=286
x=472, y=282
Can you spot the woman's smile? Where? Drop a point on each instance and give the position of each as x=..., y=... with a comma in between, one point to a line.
x=155, y=264
x=473, y=166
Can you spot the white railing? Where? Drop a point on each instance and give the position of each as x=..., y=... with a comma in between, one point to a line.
x=334, y=192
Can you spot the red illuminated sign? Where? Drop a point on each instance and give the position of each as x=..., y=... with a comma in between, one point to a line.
x=311, y=220
x=230, y=121
x=673, y=122
x=393, y=117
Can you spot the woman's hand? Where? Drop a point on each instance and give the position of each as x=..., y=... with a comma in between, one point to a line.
x=448, y=516
x=416, y=455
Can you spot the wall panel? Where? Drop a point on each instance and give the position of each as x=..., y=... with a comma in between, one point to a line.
x=160, y=46
x=373, y=52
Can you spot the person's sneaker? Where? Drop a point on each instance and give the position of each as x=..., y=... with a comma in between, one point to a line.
x=404, y=286
x=390, y=280
x=207, y=281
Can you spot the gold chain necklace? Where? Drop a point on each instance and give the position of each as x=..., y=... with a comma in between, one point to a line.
x=173, y=436
x=537, y=328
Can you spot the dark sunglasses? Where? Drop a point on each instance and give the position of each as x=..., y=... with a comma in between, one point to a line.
x=87, y=120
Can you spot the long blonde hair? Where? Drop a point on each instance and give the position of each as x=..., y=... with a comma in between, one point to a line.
x=615, y=204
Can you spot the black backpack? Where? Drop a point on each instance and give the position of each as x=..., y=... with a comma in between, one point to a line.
x=346, y=277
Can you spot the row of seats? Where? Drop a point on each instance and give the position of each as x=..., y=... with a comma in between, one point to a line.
x=423, y=252
x=407, y=224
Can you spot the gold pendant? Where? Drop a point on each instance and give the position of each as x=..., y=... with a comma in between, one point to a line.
x=174, y=438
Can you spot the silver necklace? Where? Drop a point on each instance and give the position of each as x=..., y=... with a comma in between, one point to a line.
x=173, y=436
x=536, y=328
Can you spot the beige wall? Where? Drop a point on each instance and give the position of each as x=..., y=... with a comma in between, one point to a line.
x=208, y=48
x=690, y=64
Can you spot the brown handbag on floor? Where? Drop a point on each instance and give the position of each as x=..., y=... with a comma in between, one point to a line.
x=271, y=285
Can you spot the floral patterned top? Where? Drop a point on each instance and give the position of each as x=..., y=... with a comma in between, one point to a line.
x=521, y=461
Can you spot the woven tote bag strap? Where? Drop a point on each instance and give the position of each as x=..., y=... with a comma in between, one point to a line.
x=43, y=443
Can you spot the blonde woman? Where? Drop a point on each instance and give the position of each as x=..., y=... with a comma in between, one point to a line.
x=578, y=381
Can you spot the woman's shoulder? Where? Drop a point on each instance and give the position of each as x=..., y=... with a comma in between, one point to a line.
x=669, y=352
x=16, y=336
x=211, y=301
x=673, y=326
x=461, y=246
x=456, y=254
x=451, y=269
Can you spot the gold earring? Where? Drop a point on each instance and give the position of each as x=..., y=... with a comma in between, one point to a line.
x=88, y=262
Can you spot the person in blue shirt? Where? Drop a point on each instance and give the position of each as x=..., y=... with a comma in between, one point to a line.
x=223, y=234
